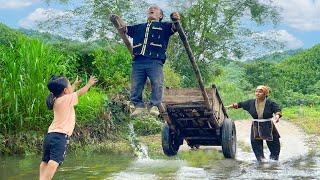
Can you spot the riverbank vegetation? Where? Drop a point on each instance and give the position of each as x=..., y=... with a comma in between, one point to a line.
x=306, y=117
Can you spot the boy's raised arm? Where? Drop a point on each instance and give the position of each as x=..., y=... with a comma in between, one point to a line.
x=85, y=88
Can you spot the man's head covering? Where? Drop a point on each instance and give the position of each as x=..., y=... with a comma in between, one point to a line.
x=264, y=88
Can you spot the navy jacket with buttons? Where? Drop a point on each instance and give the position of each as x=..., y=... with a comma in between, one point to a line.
x=151, y=39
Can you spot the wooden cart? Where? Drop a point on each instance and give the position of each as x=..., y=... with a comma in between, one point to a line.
x=187, y=118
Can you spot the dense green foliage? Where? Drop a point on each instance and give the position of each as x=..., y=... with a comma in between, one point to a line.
x=293, y=81
x=113, y=69
x=26, y=66
x=302, y=71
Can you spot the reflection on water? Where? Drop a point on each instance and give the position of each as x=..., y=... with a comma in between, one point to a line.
x=191, y=173
x=307, y=167
x=76, y=166
x=302, y=168
x=200, y=164
x=99, y=166
x=150, y=169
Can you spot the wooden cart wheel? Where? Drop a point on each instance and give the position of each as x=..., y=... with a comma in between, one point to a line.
x=229, y=139
x=170, y=145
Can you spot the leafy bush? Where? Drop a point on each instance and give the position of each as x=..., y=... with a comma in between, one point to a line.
x=21, y=143
x=113, y=68
x=90, y=105
x=171, y=78
x=289, y=98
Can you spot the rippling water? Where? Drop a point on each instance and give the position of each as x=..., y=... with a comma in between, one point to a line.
x=101, y=166
x=299, y=160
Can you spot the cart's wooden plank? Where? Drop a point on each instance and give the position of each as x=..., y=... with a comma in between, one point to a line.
x=195, y=67
x=186, y=92
x=217, y=107
x=188, y=95
x=178, y=98
x=120, y=25
x=181, y=99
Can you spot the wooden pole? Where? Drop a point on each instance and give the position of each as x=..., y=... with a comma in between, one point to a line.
x=195, y=67
x=120, y=25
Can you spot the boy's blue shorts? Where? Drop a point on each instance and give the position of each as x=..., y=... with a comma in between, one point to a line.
x=54, y=147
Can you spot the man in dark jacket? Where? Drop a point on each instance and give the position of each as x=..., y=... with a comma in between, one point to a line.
x=150, y=42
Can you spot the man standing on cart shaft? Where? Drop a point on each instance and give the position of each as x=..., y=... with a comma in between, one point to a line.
x=150, y=42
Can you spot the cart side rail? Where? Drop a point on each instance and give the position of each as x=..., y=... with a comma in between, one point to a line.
x=176, y=96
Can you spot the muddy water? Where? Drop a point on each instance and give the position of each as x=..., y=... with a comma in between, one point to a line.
x=299, y=160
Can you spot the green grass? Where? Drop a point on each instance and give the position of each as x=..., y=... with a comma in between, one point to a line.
x=307, y=117
x=90, y=105
x=147, y=125
x=24, y=72
x=25, y=68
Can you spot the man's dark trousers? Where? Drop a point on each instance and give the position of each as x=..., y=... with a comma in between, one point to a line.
x=141, y=69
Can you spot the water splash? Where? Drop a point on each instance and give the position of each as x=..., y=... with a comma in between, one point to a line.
x=140, y=150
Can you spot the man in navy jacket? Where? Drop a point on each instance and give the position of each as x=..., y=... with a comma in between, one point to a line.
x=150, y=42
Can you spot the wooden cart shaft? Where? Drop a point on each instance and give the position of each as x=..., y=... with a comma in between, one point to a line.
x=195, y=67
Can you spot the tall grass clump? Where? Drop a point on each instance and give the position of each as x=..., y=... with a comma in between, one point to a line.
x=25, y=68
